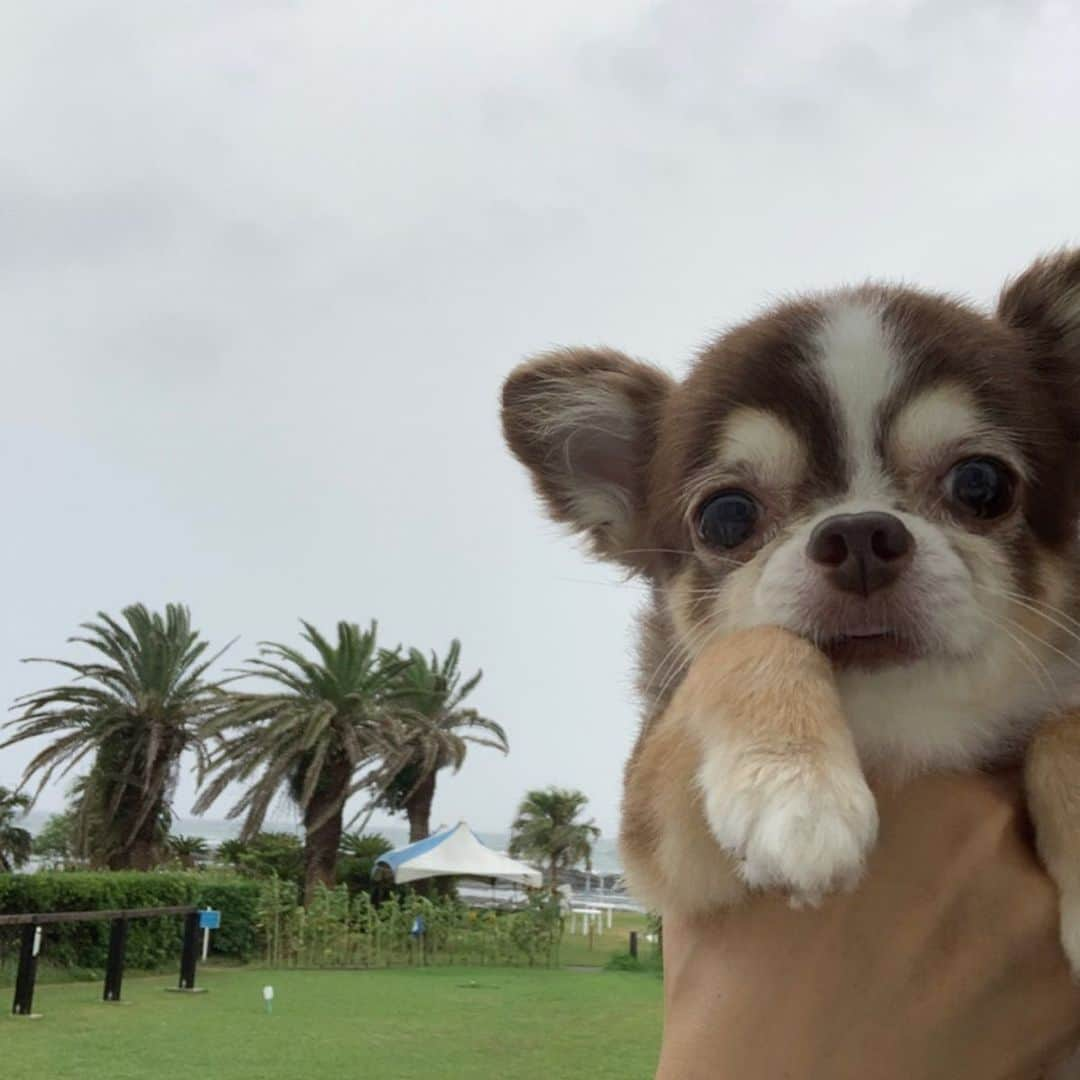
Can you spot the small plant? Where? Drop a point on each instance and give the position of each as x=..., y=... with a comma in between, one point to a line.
x=623, y=961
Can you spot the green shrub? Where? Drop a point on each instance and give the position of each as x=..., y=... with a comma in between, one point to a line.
x=268, y=854
x=621, y=961
x=152, y=943
x=238, y=901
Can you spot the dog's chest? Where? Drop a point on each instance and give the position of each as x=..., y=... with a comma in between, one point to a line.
x=927, y=717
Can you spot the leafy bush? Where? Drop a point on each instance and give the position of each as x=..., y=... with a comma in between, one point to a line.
x=238, y=902
x=281, y=855
x=152, y=943
x=338, y=929
x=267, y=854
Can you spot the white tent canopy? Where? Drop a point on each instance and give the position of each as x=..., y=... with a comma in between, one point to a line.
x=455, y=852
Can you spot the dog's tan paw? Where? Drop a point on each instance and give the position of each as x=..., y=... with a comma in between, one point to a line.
x=800, y=829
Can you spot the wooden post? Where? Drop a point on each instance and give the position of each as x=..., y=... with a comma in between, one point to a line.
x=190, y=951
x=24, y=980
x=633, y=944
x=114, y=967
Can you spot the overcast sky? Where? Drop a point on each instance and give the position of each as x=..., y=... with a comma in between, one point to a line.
x=264, y=266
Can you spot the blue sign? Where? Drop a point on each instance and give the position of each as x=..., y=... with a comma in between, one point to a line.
x=209, y=920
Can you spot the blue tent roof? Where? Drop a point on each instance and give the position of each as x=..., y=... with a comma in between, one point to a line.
x=455, y=852
x=400, y=855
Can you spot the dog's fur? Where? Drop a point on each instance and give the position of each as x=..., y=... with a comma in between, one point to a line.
x=750, y=767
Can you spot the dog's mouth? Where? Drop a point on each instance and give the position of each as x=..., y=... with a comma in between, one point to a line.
x=870, y=649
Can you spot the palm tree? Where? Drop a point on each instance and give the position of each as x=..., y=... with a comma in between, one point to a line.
x=359, y=853
x=547, y=830
x=187, y=850
x=439, y=731
x=328, y=720
x=16, y=843
x=356, y=845
x=136, y=708
x=55, y=843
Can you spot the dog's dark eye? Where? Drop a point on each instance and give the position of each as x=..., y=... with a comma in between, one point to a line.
x=982, y=486
x=727, y=519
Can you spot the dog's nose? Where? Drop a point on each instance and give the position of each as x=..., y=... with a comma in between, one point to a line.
x=861, y=552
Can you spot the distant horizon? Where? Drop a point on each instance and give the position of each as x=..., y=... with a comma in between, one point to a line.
x=215, y=830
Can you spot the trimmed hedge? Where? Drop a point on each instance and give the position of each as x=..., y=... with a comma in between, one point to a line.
x=152, y=943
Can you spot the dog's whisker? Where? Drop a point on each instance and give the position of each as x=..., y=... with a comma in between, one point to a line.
x=1042, y=615
x=673, y=658
x=672, y=661
x=1042, y=676
x=610, y=584
x=1032, y=603
x=709, y=635
x=1042, y=641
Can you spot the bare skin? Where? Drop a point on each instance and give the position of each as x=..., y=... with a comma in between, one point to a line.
x=944, y=964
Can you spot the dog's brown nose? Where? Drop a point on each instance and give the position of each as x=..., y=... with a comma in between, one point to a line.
x=861, y=552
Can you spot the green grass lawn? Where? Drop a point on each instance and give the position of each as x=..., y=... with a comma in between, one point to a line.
x=399, y=1024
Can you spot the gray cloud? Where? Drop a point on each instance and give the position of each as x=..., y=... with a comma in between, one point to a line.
x=265, y=265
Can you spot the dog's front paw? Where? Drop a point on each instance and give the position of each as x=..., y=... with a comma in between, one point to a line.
x=803, y=828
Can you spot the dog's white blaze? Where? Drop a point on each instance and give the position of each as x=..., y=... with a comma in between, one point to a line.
x=856, y=360
x=762, y=442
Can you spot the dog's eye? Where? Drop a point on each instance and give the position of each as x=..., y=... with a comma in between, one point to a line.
x=982, y=486
x=727, y=519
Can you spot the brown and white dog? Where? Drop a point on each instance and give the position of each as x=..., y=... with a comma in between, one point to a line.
x=858, y=516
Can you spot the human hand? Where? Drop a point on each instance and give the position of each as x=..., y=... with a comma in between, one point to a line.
x=944, y=963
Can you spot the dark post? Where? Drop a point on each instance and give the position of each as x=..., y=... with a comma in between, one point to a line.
x=24, y=980
x=633, y=944
x=190, y=952
x=114, y=968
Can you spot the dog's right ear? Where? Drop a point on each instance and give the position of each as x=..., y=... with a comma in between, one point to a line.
x=1043, y=304
x=585, y=423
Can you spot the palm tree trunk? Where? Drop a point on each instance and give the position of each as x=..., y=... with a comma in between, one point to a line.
x=320, y=847
x=554, y=875
x=418, y=807
x=141, y=852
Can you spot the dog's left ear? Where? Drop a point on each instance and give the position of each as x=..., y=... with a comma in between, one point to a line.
x=1043, y=303
x=585, y=423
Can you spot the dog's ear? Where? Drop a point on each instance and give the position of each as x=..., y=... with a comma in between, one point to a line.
x=585, y=423
x=1043, y=303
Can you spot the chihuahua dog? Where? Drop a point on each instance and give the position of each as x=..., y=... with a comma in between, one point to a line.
x=858, y=519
